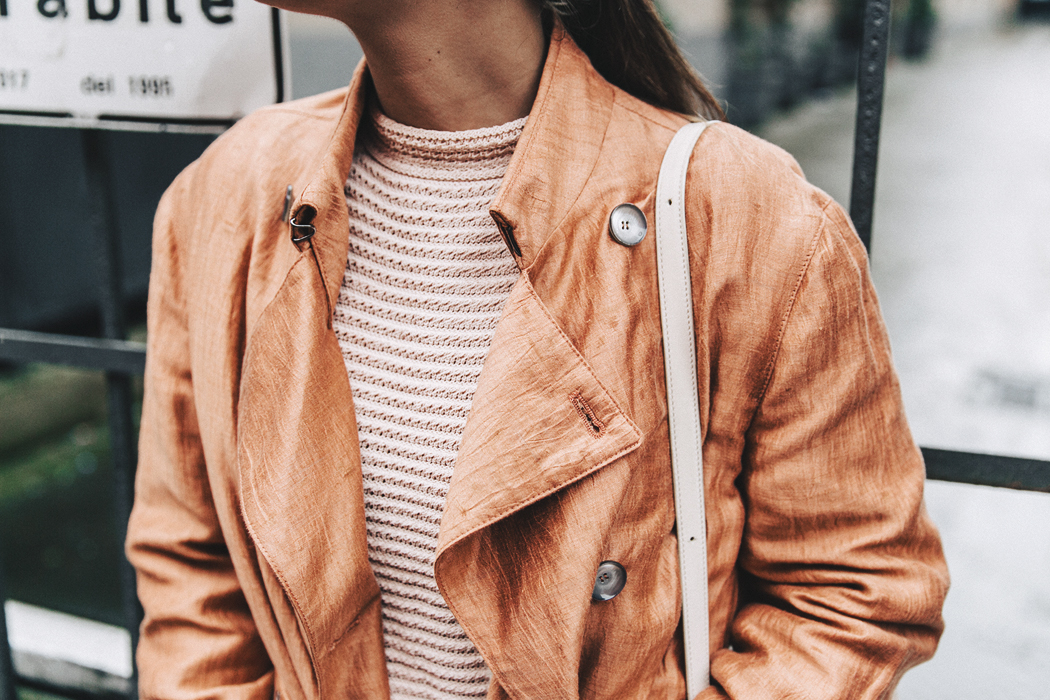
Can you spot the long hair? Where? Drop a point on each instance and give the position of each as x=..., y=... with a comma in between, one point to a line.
x=630, y=46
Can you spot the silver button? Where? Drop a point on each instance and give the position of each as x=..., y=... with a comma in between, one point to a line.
x=627, y=225
x=611, y=579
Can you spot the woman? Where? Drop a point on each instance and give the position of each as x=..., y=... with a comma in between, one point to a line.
x=393, y=425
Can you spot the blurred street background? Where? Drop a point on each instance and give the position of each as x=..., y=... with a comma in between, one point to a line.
x=960, y=257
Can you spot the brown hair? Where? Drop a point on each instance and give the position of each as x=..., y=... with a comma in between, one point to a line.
x=630, y=46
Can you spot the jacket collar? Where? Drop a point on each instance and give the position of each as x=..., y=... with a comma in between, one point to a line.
x=557, y=151
x=555, y=156
x=323, y=201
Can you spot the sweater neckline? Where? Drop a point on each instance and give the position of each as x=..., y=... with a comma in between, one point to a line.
x=428, y=145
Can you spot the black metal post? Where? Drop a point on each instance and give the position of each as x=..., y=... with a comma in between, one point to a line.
x=118, y=385
x=121, y=356
x=987, y=470
x=871, y=74
x=7, y=669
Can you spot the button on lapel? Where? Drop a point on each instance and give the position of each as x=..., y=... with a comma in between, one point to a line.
x=627, y=225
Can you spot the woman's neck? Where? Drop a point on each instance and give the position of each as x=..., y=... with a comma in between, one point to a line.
x=451, y=65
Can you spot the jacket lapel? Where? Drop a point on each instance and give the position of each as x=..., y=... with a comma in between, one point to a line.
x=299, y=461
x=518, y=548
x=541, y=421
x=299, y=465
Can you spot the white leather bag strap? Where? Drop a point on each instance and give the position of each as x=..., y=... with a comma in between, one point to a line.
x=676, y=314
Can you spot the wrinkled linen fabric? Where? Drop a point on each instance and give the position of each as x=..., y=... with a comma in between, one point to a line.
x=248, y=533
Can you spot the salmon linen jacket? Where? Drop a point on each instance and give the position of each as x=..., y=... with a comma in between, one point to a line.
x=826, y=575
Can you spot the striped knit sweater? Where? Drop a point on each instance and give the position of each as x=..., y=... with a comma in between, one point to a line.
x=426, y=278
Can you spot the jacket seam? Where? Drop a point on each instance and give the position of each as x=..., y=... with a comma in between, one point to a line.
x=628, y=108
x=785, y=319
x=507, y=185
x=347, y=106
x=296, y=605
x=329, y=308
x=301, y=113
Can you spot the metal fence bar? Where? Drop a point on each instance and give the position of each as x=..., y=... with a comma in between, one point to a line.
x=130, y=358
x=7, y=669
x=64, y=691
x=91, y=353
x=987, y=470
x=102, y=201
x=871, y=74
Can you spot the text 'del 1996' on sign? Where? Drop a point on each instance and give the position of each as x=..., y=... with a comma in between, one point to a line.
x=150, y=86
x=140, y=65
x=14, y=78
x=138, y=86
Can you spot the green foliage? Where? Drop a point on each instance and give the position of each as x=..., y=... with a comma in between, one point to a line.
x=61, y=547
x=921, y=11
x=60, y=539
x=42, y=400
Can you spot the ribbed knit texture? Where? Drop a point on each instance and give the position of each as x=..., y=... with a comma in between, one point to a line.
x=426, y=278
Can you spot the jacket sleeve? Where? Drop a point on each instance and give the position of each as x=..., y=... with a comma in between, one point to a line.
x=841, y=571
x=198, y=639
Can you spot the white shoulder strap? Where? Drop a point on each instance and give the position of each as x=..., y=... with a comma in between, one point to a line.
x=676, y=313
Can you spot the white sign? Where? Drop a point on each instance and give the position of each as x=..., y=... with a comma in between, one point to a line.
x=187, y=65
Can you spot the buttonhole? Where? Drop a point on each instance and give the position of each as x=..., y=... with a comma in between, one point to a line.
x=584, y=410
x=507, y=232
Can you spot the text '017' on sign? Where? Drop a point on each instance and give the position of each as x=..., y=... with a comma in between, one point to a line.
x=181, y=65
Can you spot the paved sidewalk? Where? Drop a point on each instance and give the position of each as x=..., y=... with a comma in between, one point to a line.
x=962, y=264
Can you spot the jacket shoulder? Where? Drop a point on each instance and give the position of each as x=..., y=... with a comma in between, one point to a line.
x=244, y=173
x=731, y=169
x=748, y=153
x=275, y=139
x=728, y=159
x=755, y=200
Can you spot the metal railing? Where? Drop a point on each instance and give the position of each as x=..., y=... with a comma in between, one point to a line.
x=121, y=360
